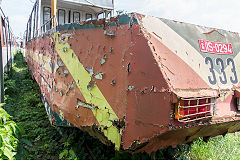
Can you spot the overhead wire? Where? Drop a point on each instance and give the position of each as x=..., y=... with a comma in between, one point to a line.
x=31, y=1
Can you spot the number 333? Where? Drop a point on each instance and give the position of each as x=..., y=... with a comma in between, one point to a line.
x=223, y=78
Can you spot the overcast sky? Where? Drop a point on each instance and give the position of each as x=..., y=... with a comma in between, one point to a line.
x=223, y=14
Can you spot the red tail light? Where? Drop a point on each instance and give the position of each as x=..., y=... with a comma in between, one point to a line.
x=191, y=109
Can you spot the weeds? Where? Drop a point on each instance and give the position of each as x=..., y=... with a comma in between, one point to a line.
x=23, y=103
x=9, y=132
x=220, y=147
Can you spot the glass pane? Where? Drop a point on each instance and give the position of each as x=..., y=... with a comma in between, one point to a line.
x=46, y=17
x=76, y=16
x=3, y=32
x=32, y=29
x=46, y=14
x=61, y=16
x=101, y=15
x=88, y=16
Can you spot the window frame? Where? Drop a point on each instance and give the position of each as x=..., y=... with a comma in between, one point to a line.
x=78, y=14
x=87, y=15
x=3, y=32
x=44, y=12
x=69, y=16
x=103, y=14
x=64, y=20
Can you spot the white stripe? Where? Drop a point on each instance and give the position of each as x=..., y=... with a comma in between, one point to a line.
x=180, y=46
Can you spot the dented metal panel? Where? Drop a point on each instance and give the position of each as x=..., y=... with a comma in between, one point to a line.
x=121, y=80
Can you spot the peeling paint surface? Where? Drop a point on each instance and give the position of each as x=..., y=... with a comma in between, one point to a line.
x=104, y=113
x=125, y=77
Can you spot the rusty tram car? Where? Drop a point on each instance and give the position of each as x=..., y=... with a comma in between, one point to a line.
x=136, y=81
x=7, y=49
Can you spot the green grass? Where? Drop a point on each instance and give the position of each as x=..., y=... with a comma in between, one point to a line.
x=217, y=148
x=221, y=147
x=9, y=134
x=23, y=104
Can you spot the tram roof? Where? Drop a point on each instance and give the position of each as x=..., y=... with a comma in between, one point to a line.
x=106, y=4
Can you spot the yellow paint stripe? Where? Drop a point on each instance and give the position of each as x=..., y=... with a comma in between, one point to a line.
x=104, y=112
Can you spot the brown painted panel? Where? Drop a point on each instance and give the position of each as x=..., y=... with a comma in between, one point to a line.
x=142, y=80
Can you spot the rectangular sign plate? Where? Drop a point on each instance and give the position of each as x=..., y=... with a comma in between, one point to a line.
x=213, y=47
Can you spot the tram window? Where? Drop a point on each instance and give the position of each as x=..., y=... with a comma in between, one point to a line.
x=32, y=25
x=76, y=16
x=101, y=15
x=29, y=31
x=88, y=16
x=61, y=16
x=46, y=16
x=3, y=32
x=9, y=38
x=69, y=16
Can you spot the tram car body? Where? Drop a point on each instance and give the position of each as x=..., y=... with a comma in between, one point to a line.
x=136, y=81
x=7, y=42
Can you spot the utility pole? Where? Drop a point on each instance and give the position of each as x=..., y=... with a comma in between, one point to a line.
x=54, y=11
